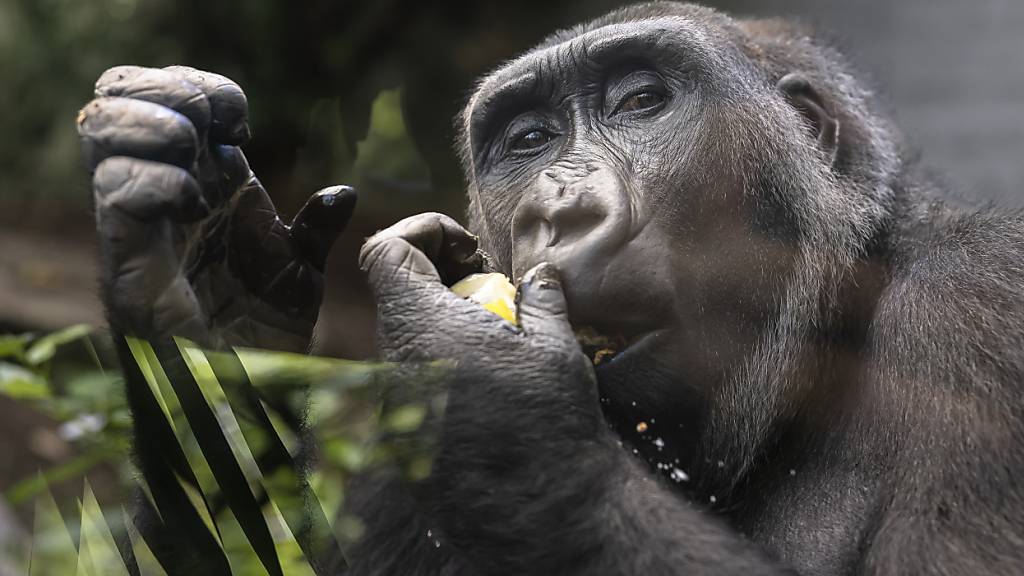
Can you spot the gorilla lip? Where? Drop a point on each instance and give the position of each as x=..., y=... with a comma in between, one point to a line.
x=598, y=347
x=604, y=350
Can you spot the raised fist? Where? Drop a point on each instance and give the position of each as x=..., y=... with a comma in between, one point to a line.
x=191, y=244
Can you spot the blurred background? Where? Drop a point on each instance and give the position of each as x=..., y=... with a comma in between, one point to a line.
x=364, y=93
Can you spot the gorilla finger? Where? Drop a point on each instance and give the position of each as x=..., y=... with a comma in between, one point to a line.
x=148, y=190
x=160, y=87
x=228, y=104
x=127, y=127
x=265, y=257
x=449, y=246
x=320, y=221
x=541, y=308
x=257, y=230
x=223, y=171
x=397, y=269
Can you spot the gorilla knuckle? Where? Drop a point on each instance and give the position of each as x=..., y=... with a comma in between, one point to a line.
x=371, y=252
x=117, y=126
x=111, y=174
x=445, y=221
x=419, y=229
x=159, y=87
x=147, y=190
x=425, y=226
x=229, y=106
x=430, y=218
x=391, y=265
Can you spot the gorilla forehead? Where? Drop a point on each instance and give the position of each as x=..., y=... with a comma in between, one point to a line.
x=671, y=33
x=672, y=42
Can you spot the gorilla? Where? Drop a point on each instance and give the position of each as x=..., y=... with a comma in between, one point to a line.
x=817, y=351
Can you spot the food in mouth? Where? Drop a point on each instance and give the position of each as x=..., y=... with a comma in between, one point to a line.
x=491, y=290
x=497, y=294
x=600, y=348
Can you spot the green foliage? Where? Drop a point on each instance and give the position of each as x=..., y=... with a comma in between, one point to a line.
x=19, y=382
x=43, y=349
x=263, y=515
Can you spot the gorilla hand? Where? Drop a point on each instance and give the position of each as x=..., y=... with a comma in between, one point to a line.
x=408, y=266
x=522, y=408
x=190, y=242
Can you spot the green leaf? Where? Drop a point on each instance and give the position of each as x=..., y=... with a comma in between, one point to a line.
x=346, y=454
x=405, y=419
x=44, y=348
x=74, y=468
x=268, y=369
x=53, y=547
x=22, y=384
x=13, y=346
x=94, y=389
x=97, y=549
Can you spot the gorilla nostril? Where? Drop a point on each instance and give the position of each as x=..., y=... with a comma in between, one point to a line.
x=568, y=212
x=569, y=226
x=549, y=232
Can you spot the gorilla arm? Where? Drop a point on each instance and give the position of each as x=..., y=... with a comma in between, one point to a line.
x=191, y=245
x=528, y=479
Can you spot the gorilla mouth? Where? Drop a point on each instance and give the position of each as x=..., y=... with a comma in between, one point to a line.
x=598, y=347
x=603, y=350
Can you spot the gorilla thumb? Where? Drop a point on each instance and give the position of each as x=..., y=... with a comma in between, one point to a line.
x=320, y=221
x=541, y=308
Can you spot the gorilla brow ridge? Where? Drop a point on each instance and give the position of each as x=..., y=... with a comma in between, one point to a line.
x=506, y=84
x=593, y=45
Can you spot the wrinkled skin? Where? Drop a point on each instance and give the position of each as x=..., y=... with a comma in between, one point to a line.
x=823, y=353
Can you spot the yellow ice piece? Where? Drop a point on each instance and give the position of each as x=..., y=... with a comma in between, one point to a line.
x=493, y=291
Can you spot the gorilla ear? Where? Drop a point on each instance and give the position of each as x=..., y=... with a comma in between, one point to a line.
x=802, y=96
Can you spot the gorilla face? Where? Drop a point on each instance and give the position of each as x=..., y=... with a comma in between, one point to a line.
x=616, y=155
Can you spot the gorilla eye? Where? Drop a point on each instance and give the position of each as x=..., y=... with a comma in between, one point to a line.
x=640, y=101
x=531, y=140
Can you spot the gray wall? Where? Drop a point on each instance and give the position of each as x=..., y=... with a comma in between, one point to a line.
x=951, y=72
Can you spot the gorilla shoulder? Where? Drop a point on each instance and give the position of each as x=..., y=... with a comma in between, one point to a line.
x=956, y=295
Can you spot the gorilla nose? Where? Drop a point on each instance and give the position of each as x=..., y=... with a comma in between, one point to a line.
x=570, y=213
